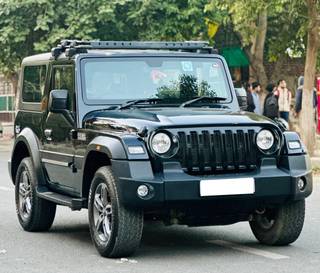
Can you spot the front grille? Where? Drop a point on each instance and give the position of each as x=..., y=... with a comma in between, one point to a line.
x=214, y=151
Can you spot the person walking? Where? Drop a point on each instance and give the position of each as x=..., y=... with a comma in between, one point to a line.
x=271, y=106
x=298, y=104
x=250, y=104
x=256, y=88
x=284, y=99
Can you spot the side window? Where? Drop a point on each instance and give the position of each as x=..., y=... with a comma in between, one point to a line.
x=63, y=78
x=34, y=78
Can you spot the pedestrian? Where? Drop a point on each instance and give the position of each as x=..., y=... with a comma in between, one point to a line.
x=271, y=106
x=298, y=104
x=284, y=99
x=250, y=104
x=256, y=88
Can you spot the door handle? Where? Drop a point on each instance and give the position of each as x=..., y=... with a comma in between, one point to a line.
x=47, y=133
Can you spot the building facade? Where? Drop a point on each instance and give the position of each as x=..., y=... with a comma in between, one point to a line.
x=7, y=105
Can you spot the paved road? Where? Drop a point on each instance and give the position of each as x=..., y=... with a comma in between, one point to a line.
x=67, y=246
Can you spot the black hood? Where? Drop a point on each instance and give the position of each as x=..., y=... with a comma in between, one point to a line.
x=134, y=120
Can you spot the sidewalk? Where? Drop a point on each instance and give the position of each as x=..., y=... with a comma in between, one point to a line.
x=6, y=144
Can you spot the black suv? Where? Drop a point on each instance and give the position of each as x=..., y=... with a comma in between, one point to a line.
x=150, y=130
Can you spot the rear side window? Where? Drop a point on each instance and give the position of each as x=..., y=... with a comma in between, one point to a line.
x=34, y=78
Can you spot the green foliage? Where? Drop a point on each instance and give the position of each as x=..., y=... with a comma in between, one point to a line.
x=287, y=31
x=287, y=24
x=171, y=19
x=33, y=26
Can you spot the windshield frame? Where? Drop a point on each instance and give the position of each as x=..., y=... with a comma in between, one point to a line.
x=110, y=102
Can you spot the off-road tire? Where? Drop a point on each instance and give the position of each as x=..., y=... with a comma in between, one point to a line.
x=126, y=224
x=42, y=212
x=286, y=228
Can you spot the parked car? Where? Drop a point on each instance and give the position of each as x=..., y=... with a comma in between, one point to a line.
x=150, y=130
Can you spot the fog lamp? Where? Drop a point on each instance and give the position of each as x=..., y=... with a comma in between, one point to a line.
x=301, y=184
x=143, y=190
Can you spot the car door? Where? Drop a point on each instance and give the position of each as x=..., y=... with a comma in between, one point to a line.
x=58, y=150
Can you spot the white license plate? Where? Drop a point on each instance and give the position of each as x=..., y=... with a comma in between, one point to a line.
x=235, y=186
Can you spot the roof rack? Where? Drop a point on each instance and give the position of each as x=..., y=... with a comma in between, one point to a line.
x=72, y=47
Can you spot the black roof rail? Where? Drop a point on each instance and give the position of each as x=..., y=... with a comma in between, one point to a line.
x=72, y=47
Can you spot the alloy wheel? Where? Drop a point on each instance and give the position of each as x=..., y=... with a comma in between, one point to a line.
x=25, y=195
x=102, y=212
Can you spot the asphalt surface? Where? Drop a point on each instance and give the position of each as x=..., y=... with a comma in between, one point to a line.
x=67, y=246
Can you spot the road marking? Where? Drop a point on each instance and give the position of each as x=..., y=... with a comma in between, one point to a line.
x=6, y=189
x=250, y=250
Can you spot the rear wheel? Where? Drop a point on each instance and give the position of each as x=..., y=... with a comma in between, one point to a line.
x=34, y=213
x=115, y=230
x=279, y=226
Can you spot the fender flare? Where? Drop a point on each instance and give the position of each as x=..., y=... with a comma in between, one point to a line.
x=110, y=146
x=116, y=148
x=31, y=141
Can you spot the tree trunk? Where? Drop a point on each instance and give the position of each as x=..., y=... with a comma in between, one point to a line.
x=307, y=119
x=256, y=52
x=14, y=78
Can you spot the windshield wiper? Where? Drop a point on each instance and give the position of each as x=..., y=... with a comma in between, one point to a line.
x=216, y=99
x=128, y=104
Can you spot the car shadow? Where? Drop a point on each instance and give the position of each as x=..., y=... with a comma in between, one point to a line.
x=77, y=232
x=161, y=241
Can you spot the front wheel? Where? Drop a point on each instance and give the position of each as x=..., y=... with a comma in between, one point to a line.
x=279, y=226
x=115, y=230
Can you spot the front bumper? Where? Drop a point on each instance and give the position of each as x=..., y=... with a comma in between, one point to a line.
x=274, y=183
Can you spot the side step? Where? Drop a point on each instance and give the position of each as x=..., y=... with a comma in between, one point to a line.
x=60, y=199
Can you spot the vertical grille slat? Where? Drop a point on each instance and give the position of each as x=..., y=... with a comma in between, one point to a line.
x=189, y=153
x=234, y=150
x=241, y=148
x=183, y=148
x=207, y=151
x=218, y=152
x=252, y=154
x=229, y=149
x=195, y=151
x=215, y=151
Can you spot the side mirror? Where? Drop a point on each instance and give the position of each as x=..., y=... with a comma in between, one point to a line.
x=242, y=98
x=58, y=101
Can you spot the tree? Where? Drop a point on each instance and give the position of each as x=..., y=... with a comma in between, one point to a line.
x=32, y=26
x=307, y=114
x=268, y=30
x=250, y=21
x=16, y=39
x=176, y=20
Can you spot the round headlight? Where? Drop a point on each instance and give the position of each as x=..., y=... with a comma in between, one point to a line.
x=161, y=143
x=265, y=140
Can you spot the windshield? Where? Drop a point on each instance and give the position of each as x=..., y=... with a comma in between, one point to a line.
x=171, y=79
